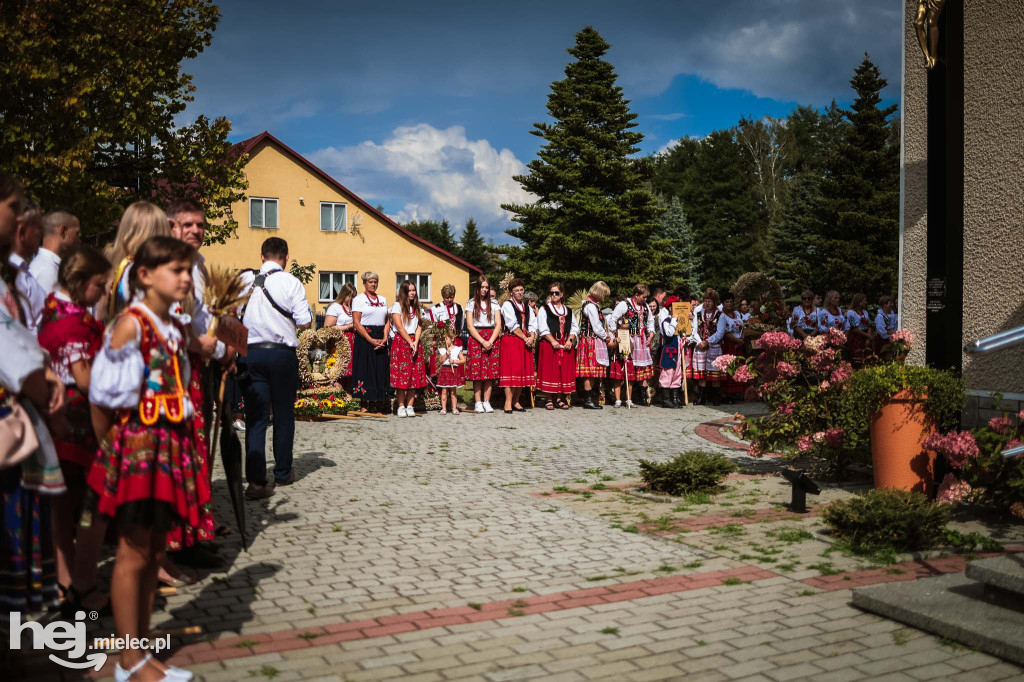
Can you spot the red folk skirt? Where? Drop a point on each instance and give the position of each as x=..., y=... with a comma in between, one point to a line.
x=448, y=377
x=587, y=353
x=407, y=370
x=615, y=371
x=351, y=336
x=79, y=444
x=484, y=365
x=188, y=534
x=729, y=385
x=556, y=369
x=516, y=362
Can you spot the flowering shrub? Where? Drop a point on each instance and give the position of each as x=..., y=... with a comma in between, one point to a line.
x=722, y=362
x=900, y=343
x=952, y=491
x=317, y=405
x=958, y=447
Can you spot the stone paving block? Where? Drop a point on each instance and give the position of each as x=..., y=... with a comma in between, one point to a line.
x=525, y=672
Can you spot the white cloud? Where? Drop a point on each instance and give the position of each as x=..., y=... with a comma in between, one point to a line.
x=668, y=117
x=433, y=174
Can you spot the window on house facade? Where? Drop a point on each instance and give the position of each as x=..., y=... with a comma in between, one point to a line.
x=262, y=212
x=332, y=282
x=421, y=280
x=333, y=217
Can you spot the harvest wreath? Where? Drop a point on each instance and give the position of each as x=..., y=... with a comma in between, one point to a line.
x=323, y=355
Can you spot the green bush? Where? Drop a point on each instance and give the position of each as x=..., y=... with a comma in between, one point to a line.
x=887, y=518
x=690, y=472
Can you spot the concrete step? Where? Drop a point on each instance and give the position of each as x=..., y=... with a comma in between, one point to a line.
x=953, y=606
x=1003, y=572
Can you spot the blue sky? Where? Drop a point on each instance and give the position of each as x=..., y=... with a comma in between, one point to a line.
x=426, y=108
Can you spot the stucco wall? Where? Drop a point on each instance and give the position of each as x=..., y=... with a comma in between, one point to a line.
x=994, y=188
x=914, y=218
x=273, y=173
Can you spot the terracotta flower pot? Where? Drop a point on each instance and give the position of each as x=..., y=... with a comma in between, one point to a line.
x=898, y=432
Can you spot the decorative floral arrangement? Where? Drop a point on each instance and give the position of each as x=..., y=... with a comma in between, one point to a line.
x=900, y=343
x=323, y=355
x=318, y=405
x=765, y=297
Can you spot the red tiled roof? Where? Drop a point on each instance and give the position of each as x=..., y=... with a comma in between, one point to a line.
x=246, y=146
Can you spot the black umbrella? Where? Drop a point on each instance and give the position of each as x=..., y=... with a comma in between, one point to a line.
x=231, y=458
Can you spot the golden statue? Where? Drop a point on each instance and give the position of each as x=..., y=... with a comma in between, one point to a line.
x=927, y=25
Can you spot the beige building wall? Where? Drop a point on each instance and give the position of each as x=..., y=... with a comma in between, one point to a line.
x=274, y=173
x=993, y=245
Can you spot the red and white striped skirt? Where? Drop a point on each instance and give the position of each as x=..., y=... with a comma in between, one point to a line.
x=407, y=371
x=483, y=365
x=701, y=364
x=556, y=369
x=590, y=353
x=633, y=373
x=516, y=362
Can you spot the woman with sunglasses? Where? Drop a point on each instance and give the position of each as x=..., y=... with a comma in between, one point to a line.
x=556, y=367
x=804, y=320
x=517, y=343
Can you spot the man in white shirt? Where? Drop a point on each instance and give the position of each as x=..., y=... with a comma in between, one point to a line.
x=275, y=309
x=188, y=223
x=60, y=235
x=27, y=237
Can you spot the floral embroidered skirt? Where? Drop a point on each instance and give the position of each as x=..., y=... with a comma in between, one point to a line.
x=556, y=369
x=79, y=445
x=351, y=336
x=448, y=377
x=28, y=565
x=591, y=357
x=151, y=476
x=516, y=362
x=483, y=365
x=407, y=370
x=187, y=534
x=371, y=368
x=700, y=363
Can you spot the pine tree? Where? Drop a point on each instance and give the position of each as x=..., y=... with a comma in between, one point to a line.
x=676, y=230
x=472, y=248
x=594, y=214
x=796, y=237
x=438, y=233
x=859, y=250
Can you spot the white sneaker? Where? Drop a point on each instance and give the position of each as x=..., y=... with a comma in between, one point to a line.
x=630, y=404
x=618, y=403
x=239, y=425
x=479, y=408
x=401, y=411
x=487, y=408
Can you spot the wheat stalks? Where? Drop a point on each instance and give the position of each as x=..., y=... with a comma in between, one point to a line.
x=224, y=294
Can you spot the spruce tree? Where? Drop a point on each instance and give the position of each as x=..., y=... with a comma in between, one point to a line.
x=438, y=233
x=472, y=248
x=858, y=252
x=594, y=214
x=678, y=234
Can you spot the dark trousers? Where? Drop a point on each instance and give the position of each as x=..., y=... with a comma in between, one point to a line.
x=272, y=383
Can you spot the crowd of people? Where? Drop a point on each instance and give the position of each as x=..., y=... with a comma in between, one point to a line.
x=526, y=345
x=105, y=390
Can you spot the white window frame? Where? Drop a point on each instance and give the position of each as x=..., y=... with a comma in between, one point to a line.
x=334, y=207
x=345, y=274
x=415, y=277
x=264, y=226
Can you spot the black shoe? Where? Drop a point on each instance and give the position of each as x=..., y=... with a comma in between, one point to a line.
x=73, y=604
x=677, y=399
x=590, y=402
x=198, y=556
x=640, y=395
x=716, y=395
x=665, y=398
x=702, y=395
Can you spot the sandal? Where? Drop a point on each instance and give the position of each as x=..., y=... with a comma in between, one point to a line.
x=562, y=405
x=73, y=603
x=549, y=405
x=455, y=410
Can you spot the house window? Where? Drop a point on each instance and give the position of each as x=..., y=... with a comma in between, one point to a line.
x=333, y=217
x=332, y=282
x=262, y=212
x=421, y=280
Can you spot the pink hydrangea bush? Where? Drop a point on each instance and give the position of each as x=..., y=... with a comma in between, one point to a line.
x=722, y=362
x=952, y=490
x=958, y=447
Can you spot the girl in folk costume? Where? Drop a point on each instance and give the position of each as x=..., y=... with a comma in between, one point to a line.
x=483, y=321
x=140, y=221
x=832, y=316
x=732, y=323
x=634, y=315
x=860, y=337
x=594, y=342
x=804, y=320
x=449, y=311
x=517, y=343
x=672, y=366
x=706, y=336
x=148, y=471
x=450, y=359
x=556, y=365
x=339, y=314
x=73, y=337
x=370, y=365
x=886, y=322
x=408, y=372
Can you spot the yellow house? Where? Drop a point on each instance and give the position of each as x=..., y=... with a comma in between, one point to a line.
x=327, y=225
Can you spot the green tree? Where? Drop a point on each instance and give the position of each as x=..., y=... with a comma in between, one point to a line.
x=472, y=247
x=437, y=232
x=676, y=231
x=594, y=213
x=858, y=250
x=796, y=237
x=89, y=91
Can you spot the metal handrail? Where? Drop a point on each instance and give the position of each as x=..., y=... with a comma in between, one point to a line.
x=995, y=342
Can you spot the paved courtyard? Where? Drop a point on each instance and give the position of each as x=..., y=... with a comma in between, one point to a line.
x=438, y=548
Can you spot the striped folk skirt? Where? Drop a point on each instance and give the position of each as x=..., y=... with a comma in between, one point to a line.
x=556, y=369
x=701, y=364
x=516, y=363
x=591, y=358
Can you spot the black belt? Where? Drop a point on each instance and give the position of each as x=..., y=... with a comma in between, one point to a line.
x=268, y=344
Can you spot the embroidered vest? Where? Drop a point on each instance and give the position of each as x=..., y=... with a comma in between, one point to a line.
x=708, y=326
x=164, y=386
x=637, y=322
x=564, y=325
x=586, y=330
x=523, y=318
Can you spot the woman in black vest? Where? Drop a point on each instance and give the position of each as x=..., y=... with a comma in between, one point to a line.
x=556, y=366
x=517, y=343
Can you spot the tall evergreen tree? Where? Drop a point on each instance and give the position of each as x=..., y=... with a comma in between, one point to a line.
x=860, y=190
x=594, y=213
x=796, y=237
x=472, y=248
x=678, y=234
x=437, y=232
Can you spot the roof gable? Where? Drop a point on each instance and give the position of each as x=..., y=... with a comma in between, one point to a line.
x=246, y=146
